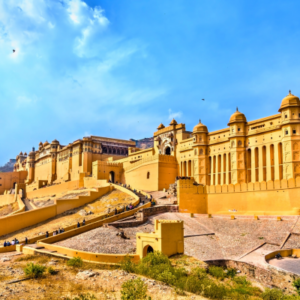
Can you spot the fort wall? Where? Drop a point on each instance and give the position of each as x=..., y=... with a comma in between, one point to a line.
x=7, y=199
x=7, y=180
x=55, y=189
x=265, y=198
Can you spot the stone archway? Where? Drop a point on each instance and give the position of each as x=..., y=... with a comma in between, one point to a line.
x=147, y=249
x=167, y=150
x=112, y=176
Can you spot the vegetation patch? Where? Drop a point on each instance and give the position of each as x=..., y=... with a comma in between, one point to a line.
x=34, y=270
x=75, y=262
x=134, y=289
x=213, y=282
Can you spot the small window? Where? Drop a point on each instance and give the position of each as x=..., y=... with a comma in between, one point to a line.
x=232, y=129
x=299, y=115
x=148, y=175
x=285, y=116
x=271, y=123
x=286, y=132
x=239, y=129
x=294, y=131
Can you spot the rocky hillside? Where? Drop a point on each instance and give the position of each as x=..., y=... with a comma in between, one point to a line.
x=8, y=167
x=144, y=143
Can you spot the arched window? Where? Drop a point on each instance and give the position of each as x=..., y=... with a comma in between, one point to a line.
x=168, y=151
x=148, y=175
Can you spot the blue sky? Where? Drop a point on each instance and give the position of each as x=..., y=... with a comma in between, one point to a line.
x=119, y=68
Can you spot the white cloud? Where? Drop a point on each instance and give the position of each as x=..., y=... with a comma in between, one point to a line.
x=174, y=115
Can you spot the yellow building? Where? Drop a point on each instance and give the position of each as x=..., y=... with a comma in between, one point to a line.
x=243, y=157
x=167, y=238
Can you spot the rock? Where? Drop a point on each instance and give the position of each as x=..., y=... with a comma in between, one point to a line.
x=5, y=259
x=294, y=256
x=85, y=275
x=83, y=212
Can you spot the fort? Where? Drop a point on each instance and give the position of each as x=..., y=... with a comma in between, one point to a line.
x=240, y=183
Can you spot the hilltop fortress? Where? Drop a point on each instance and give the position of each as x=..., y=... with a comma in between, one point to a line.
x=248, y=167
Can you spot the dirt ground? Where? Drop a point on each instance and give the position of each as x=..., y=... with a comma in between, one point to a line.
x=9, y=208
x=111, y=200
x=105, y=284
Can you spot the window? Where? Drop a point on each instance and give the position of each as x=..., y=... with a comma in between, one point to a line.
x=148, y=175
x=285, y=116
x=286, y=132
x=299, y=115
x=294, y=131
x=271, y=123
x=239, y=129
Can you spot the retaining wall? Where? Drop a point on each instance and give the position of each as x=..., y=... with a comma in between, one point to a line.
x=54, y=189
x=270, y=276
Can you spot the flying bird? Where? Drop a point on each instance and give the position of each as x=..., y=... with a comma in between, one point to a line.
x=14, y=50
x=203, y=99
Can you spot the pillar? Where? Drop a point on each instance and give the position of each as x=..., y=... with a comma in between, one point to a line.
x=260, y=164
x=268, y=163
x=276, y=161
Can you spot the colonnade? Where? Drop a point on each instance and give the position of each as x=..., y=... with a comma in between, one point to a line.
x=262, y=163
x=186, y=168
x=220, y=169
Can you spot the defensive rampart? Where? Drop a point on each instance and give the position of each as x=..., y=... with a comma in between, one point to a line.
x=18, y=221
x=54, y=189
x=262, y=198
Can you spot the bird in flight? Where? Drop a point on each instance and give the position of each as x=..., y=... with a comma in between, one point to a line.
x=203, y=99
x=14, y=50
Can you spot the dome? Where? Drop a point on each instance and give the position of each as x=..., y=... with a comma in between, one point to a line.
x=31, y=153
x=55, y=142
x=21, y=153
x=161, y=126
x=173, y=122
x=237, y=117
x=46, y=144
x=40, y=144
x=289, y=100
x=25, y=154
x=200, y=128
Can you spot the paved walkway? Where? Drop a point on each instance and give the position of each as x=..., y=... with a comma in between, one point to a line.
x=287, y=263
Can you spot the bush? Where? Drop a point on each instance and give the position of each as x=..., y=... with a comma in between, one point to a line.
x=134, y=289
x=127, y=265
x=34, y=270
x=272, y=294
x=296, y=285
x=231, y=272
x=75, y=262
x=217, y=272
x=51, y=271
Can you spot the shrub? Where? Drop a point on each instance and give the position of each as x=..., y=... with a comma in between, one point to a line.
x=156, y=258
x=272, y=294
x=34, y=270
x=231, y=272
x=296, y=285
x=200, y=273
x=216, y=272
x=127, y=265
x=51, y=271
x=75, y=262
x=134, y=289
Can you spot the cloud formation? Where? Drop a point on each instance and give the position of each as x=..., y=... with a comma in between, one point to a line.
x=67, y=69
